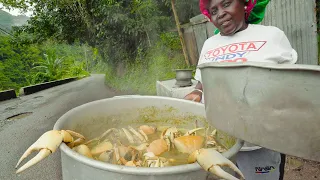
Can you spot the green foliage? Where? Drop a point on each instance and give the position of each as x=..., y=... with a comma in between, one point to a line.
x=79, y=36
x=49, y=69
x=16, y=62
x=23, y=65
x=171, y=40
x=117, y=28
x=16, y=3
x=141, y=76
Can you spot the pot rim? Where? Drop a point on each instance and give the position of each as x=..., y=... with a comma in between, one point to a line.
x=263, y=65
x=177, y=70
x=124, y=169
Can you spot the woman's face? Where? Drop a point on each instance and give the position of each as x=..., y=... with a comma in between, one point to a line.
x=228, y=15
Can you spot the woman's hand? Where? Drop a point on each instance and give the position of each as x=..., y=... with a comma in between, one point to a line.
x=194, y=96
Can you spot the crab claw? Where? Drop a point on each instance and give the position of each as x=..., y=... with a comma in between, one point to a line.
x=47, y=144
x=211, y=160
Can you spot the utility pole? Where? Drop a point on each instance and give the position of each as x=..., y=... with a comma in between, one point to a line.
x=184, y=49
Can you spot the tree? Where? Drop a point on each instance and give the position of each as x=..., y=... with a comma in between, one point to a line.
x=120, y=29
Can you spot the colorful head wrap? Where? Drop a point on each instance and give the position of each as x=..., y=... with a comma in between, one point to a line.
x=254, y=13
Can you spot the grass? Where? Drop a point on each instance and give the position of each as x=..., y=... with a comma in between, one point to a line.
x=141, y=76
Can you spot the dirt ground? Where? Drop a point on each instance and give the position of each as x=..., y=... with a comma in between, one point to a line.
x=299, y=169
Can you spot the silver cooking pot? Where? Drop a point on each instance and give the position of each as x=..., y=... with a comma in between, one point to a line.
x=276, y=106
x=93, y=118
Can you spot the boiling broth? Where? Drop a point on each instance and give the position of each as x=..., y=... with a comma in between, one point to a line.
x=173, y=156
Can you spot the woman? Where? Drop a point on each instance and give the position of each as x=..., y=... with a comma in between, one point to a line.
x=239, y=39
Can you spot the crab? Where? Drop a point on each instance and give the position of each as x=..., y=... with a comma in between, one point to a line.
x=211, y=160
x=212, y=143
x=194, y=145
x=151, y=160
x=158, y=147
x=138, y=153
x=51, y=140
x=124, y=155
x=101, y=147
x=208, y=158
x=171, y=138
x=132, y=135
x=113, y=155
x=147, y=129
x=169, y=135
x=48, y=143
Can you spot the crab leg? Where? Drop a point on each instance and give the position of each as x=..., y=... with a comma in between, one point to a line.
x=192, y=131
x=72, y=133
x=70, y=142
x=107, y=132
x=123, y=161
x=101, y=136
x=140, y=147
x=144, y=134
x=137, y=134
x=47, y=144
x=102, y=147
x=129, y=136
x=168, y=135
x=213, y=133
x=211, y=160
x=77, y=142
x=157, y=163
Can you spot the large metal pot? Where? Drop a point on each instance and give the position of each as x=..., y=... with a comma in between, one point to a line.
x=271, y=105
x=93, y=118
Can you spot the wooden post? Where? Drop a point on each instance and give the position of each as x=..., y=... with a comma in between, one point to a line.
x=180, y=33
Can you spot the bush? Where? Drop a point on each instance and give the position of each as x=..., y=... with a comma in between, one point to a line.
x=27, y=64
x=140, y=77
x=171, y=40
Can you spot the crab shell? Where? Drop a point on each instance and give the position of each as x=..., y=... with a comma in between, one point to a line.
x=189, y=144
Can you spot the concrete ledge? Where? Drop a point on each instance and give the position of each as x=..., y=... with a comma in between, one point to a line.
x=6, y=95
x=169, y=89
x=39, y=87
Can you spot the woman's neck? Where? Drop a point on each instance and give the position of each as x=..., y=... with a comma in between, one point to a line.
x=244, y=27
